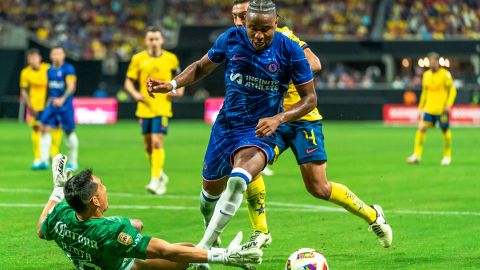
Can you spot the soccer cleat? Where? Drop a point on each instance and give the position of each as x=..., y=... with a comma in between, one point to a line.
x=72, y=166
x=380, y=227
x=268, y=172
x=159, y=189
x=40, y=166
x=413, y=159
x=446, y=161
x=258, y=240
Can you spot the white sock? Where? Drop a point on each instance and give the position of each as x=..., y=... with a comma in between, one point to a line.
x=72, y=145
x=227, y=206
x=45, y=144
x=207, y=205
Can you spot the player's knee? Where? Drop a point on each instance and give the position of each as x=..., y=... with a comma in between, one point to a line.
x=320, y=190
x=236, y=184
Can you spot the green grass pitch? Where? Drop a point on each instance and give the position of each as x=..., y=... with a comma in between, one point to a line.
x=434, y=211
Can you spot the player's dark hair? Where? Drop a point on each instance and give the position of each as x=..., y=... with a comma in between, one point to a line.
x=262, y=7
x=236, y=2
x=33, y=51
x=79, y=190
x=153, y=29
x=433, y=55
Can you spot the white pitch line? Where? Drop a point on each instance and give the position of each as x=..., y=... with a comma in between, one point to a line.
x=278, y=206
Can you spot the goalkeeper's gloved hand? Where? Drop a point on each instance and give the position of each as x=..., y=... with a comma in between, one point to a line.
x=233, y=255
x=60, y=175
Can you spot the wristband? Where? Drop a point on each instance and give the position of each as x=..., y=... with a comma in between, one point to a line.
x=57, y=194
x=216, y=255
x=174, y=85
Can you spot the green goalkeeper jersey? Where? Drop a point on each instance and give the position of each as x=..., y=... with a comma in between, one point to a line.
x=99, y=244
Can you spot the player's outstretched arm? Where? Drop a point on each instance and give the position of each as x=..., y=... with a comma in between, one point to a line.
x=193, y=73
x=60, y=176
x=267, y=126
x=233, y=255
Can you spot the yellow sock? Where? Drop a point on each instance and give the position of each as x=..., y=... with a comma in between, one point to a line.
x=158, y=159
x=447, y=143
x=56, y=141
x=36, y=143
x=419, y=140
x=255, y=195
x=342, y=196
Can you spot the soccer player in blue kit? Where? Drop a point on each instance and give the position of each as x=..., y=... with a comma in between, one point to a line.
x=259, y=66
x=61, y=86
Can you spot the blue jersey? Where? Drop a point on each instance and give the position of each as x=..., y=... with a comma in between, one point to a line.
x=57, y=81
x=256, y=81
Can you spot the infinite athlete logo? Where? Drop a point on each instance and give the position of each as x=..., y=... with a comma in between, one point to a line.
x=273, y=67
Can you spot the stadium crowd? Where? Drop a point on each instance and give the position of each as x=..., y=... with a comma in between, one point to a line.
x=91, y=29
x=329, y=20
x=99, y=29
x=433, y=19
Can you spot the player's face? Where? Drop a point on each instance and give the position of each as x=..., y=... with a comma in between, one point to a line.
x=57, y=56
x=154, y=41
x=239, y=14
x=101, y=194
x=433, y=61
x=34, y=60
x=260, y=29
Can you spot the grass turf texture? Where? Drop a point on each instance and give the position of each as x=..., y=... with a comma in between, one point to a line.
x=433, y=209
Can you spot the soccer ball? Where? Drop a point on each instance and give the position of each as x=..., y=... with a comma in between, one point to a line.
x=306, y=259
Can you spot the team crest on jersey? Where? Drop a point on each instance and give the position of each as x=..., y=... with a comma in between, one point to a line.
x=124, y=239
x=59, y=73
x=273, y=67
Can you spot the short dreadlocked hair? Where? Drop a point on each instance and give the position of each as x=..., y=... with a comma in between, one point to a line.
x=262, y=7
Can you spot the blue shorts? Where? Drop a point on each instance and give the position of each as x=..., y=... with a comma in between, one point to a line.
x=53, y=116
x=155, y=125
x=442, y=119
x=218, y=160
x=305, y=138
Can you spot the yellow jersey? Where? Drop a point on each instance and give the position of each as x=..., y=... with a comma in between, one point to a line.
x=292, y=95
x=36, y=82
x=438, y=91
x=144, y=66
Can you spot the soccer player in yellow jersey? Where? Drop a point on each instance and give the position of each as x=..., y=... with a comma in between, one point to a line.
x=154, y=62
x=304, y=136
x=437, y=98
x=33, y=91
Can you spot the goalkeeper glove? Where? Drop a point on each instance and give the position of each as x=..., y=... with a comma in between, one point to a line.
x=233, y=255
x=60, y=176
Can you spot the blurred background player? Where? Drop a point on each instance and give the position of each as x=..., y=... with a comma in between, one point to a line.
x=92, y=241
x=436, y=100
x=154, y=62
x=61, y=87
x=305, y=138
x=33, y=91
